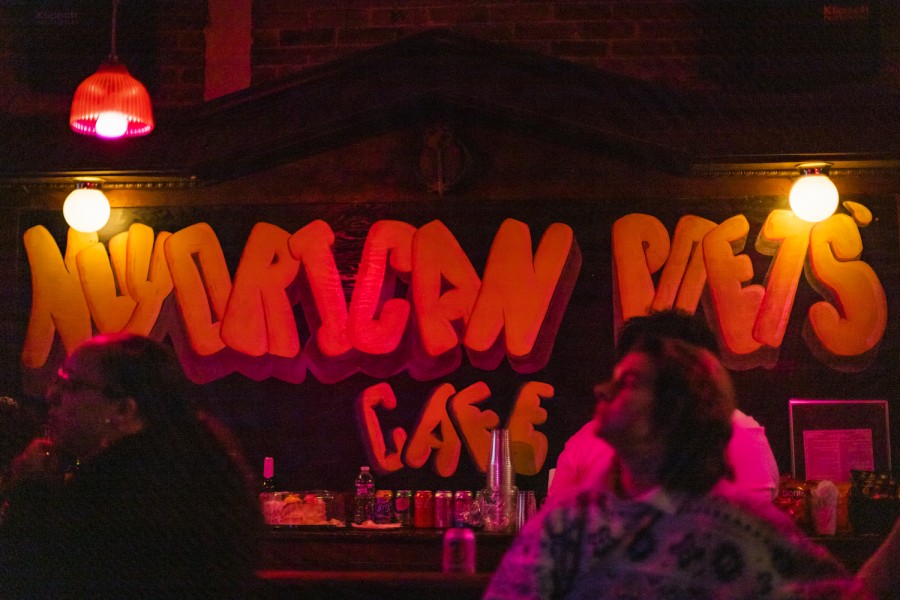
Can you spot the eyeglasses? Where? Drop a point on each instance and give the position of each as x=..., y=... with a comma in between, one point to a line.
x=64, y=383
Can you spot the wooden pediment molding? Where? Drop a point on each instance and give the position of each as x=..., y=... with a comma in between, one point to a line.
x=440, y=76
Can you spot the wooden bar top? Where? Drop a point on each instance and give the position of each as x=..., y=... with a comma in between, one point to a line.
x=400, y=564
x=370, y=585
x=421, y=550
x=348, y=549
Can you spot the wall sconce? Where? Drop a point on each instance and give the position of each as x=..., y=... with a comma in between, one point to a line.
x=111, y=103
x=813, y=196
x=86, y=209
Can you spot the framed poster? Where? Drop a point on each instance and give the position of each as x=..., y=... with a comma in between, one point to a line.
x=831, y=437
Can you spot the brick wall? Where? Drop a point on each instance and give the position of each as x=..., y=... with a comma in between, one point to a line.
x=180, y=57
x=654, y=40
x=182, y=46
x=667, y=41
x=674, y=42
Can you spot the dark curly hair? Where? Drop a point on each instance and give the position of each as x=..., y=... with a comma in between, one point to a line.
x=691, y=412
x=671, y=323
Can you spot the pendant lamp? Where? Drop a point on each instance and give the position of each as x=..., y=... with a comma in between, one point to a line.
x=111, y=103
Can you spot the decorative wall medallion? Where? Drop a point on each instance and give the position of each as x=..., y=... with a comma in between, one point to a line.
x=443, y=161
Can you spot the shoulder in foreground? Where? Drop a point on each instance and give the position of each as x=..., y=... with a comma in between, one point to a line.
x=575, y=495
x=752, y=504
x=741, y=419
x=763, y=516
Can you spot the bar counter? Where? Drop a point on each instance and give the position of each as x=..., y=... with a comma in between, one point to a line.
x=348, y=549
x=352, y=563
x=406, y=563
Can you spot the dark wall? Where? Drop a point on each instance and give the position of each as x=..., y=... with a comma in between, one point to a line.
x=310, y=426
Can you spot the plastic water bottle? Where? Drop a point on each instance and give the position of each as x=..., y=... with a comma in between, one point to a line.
x=364, y=507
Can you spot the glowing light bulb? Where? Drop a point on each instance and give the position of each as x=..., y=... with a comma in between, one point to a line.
x=86, y=209
x=814, y=198
x=112, y=124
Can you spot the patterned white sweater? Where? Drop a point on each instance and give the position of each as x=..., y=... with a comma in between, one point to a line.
x=592, y=544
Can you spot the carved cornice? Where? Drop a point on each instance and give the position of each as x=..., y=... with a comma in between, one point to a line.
x=437, y=76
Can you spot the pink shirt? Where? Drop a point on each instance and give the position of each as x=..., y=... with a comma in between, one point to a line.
x=586, y=458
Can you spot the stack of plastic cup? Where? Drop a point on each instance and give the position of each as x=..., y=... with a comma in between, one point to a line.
x=526, y=507
x=499, y=497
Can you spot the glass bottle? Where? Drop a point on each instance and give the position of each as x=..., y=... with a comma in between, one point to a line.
x=270, y=501
x=268, y=482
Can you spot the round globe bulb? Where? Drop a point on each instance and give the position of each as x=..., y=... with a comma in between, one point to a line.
x=814, y=198
x=112, y=124
x=86, y=210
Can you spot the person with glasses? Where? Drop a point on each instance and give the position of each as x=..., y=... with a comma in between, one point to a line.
x=667, y=522
x=158, y=507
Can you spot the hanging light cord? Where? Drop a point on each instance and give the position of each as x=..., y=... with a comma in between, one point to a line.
x=112, y=34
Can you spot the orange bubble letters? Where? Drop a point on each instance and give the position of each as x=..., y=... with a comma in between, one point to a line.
x=517, y=290
x=110, y=310
x=785, y=236
x=853, y=318
x=474, y=424
x=469, y=424
x=259, y=318
x=528, y=447
x=735, y=306
x=387, y=256
x=147, y=276
x=448, y=446
x=684, y=274
x=57, y=301
x=201, y=279
x=372, y=397
x=439, y=261
x=327, y=310
x=640, y=247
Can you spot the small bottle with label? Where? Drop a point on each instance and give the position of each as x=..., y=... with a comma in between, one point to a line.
x=268, y=483
x=364, y=502
x=270, y=501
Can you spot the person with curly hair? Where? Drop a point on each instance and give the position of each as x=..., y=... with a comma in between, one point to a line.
x=586, y=458
x=666, y=522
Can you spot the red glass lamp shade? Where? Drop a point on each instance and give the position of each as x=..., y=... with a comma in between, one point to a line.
x=111, y=104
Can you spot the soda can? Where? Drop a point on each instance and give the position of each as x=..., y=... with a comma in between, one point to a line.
x=443, y=509
x=384, y=507
x=423, y=509
x=459, y=551
x=462, y=504
x=403, y=507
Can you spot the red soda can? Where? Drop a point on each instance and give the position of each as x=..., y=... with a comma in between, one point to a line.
x=403, y=509
x=462, y=502
x=423, y=509
x=443, y=509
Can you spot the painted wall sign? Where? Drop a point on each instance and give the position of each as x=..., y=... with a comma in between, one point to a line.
x=419, y=308
x=449, y=306
x=843, y=329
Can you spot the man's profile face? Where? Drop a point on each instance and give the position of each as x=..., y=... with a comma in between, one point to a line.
x=624, y=403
